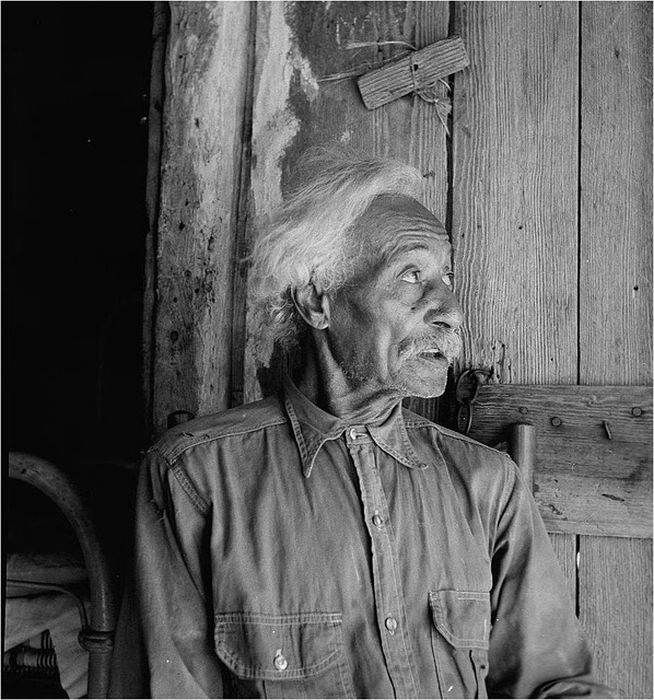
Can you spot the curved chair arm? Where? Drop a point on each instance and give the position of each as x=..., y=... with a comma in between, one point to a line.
x=98, y=638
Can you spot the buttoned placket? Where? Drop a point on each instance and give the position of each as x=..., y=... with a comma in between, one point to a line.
x=389, y=599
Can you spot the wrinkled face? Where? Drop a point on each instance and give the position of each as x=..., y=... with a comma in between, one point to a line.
x=395, y=324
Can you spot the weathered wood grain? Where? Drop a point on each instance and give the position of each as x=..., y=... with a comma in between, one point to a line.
x=565, y=548
x=298, y=45
x=615, y=312
x=418, y=71
x=514, y=213
x=584, y=481
x=243, y=226
x=615, y=579
x=203, y=116
x=152, y=190
x=615, y=303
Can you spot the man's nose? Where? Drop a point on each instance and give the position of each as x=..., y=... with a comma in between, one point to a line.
x=444, y=309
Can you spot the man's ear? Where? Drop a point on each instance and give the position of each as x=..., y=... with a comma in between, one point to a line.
x=313, y=305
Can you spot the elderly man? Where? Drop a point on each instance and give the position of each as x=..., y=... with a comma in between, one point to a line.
x=326, y=542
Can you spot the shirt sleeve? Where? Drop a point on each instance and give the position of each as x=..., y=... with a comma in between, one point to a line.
x=537, y=646
x=167, y=600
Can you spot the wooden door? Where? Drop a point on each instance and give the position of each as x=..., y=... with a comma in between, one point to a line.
x=545, y=185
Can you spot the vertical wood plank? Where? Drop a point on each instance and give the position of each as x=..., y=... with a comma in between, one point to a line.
x=615, y=597
x=615, y=313
x=565, y=548
x=427, y=140
x=203, y=117
x=514, y=213
x=616, y=193
x=299, y=44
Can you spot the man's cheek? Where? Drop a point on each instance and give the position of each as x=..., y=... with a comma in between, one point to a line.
x=395, y=360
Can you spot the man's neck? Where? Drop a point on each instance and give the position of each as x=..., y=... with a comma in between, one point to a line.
x=323, y=381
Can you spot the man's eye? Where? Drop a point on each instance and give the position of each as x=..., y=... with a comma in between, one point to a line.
x=411, y=276
x=448, y=278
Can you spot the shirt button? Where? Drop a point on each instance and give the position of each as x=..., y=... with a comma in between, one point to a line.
x=353, y=434
x=391, y=624
x=280, y=661
x=377, y=520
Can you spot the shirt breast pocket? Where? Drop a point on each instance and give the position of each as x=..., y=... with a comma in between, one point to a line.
x=283, y=656
x=460, y=634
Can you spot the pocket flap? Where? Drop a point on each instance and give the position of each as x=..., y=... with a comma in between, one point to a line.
x=277, y=647
x=462, y=617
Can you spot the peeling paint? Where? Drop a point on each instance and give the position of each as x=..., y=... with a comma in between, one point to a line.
x=275, y=125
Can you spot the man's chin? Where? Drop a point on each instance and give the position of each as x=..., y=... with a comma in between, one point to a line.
x=425, y=381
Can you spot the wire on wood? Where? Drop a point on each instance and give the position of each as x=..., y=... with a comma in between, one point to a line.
x=418, y=73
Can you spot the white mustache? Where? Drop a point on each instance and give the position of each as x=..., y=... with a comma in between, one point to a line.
x=448, y=343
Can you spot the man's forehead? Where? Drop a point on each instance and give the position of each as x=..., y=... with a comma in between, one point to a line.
x=389, y=215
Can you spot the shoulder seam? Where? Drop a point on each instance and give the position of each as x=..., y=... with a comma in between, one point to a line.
x=204, y=439
x=452, y=434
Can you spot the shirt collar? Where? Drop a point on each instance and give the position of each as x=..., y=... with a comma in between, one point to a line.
x=312, y=428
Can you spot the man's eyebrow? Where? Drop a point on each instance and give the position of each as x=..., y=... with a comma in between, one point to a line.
x=399, y=249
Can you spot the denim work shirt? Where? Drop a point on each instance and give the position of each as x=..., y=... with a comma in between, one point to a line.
x=282, y=552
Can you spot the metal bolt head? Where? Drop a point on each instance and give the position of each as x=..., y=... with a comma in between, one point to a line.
x=556, y=421
x=636, y=411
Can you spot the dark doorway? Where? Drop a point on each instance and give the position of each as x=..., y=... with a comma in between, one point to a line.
x=75, y=81
x=75, y=78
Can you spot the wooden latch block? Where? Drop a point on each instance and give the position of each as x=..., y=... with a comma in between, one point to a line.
x=593, y=464
x=418, y=71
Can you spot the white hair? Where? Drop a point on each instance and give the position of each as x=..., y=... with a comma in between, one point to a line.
x=307, y=240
